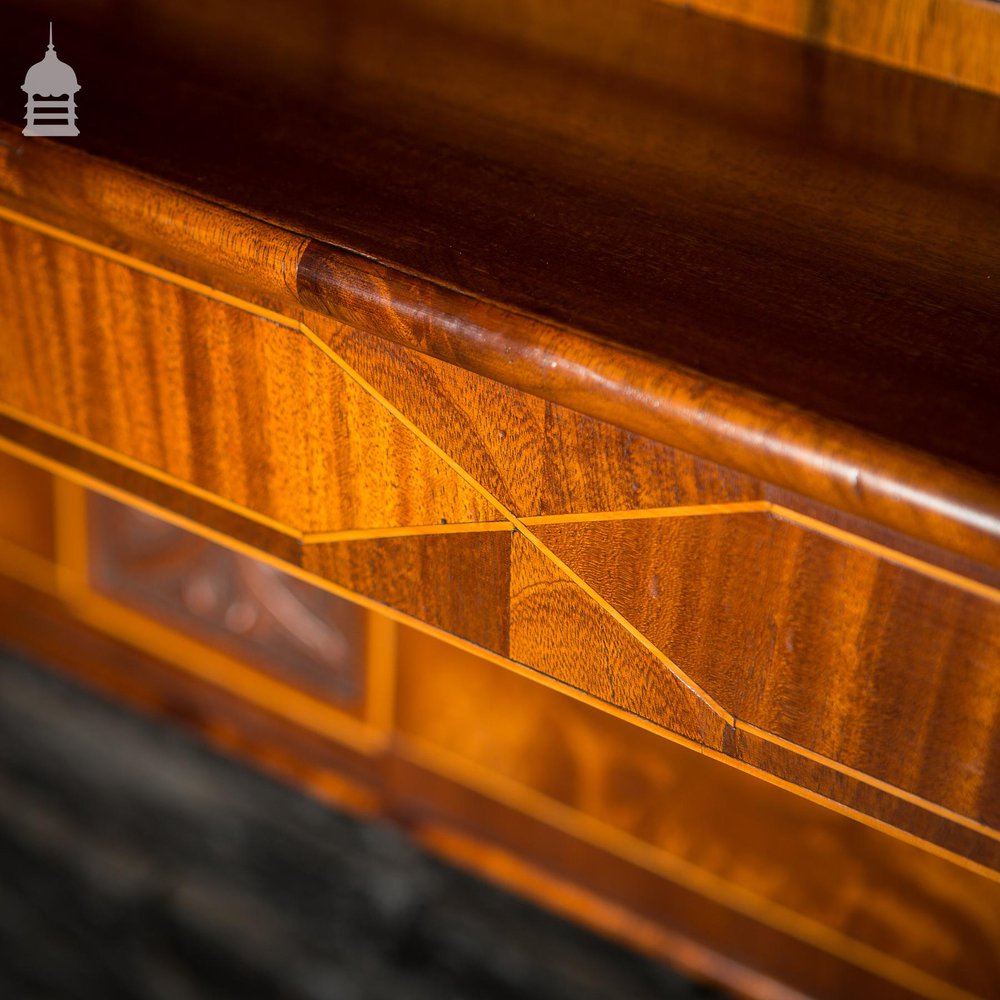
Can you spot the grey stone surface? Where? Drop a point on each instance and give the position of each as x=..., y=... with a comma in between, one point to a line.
x=137, y=863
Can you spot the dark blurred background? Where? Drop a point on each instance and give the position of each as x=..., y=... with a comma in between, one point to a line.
x=136, y=862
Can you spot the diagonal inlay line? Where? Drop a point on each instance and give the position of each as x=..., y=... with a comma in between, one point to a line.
x=513, y=523
x=297, y=325
x=521, y=527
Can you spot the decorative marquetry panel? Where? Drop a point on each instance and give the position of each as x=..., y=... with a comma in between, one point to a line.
x=532, y=455
x=844, y=659
x=241, y=606
x=883, y=667
x=229, y=402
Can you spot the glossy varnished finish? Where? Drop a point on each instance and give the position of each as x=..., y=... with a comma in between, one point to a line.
x=640, y=233
x=953, y=40
x=828, y=646
x=576, y=548
x=525, y=450
x=456, y=582
x=649, y=361
x=218, y=398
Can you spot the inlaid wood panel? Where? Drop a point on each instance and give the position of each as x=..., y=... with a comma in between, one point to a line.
x=748, y=263
x=49, y=450
x=245, y=408
x=535, y=456
x=307, y=637
x=608, y=656
x=797, y=865
x=874, y=664
x=456, y=582
x=558, y=628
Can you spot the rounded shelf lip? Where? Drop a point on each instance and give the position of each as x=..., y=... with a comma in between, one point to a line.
x=850, y=469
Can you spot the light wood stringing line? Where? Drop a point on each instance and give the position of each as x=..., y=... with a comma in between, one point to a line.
x=516, y=524
x=100, y=486
x=676, y=869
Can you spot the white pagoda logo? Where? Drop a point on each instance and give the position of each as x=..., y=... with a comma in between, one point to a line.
x=51, y=88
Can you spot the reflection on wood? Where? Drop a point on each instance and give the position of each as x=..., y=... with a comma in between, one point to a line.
x=240, y=605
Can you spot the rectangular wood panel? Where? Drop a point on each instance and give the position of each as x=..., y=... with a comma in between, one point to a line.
x=306, y=637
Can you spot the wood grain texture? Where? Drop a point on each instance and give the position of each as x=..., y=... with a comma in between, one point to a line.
x=633, y=250
x=718, y=829
x=77, y=461
x=536, y=457
x=597, y=655
x=586, y=264
x=864, y=797
x=828, y=646
x=487, y=625
x=456, y=582
x=241, y=407
x=954, y=40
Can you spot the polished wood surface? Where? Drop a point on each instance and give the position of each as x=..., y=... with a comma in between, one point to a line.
x=819, y=643
x=814, y=332
x=670, y=849
x=218, y=398
x=634, y=380
x=611, y=602
x=954, y=40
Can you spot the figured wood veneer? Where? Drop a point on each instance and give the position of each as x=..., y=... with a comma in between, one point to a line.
x=875, y=665
x=525, y=450
x=214, y=396
x=592, y=814
x=558, y=628
x=651, y=358
x=463, y=577
x=456, y=582
x=696, y=822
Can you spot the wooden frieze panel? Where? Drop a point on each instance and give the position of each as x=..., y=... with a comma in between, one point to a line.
x=226, y=401
x=883, y=667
